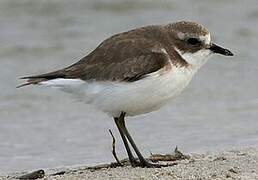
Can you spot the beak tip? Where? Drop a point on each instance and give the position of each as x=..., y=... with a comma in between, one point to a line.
x=217, y=49
x=229, y=53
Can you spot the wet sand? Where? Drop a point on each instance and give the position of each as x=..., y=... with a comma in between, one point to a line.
x=233, y=164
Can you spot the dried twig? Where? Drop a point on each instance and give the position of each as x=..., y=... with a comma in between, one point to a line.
x=33, y=175
x=176, y=155
x=59, y=173
x=114, y=148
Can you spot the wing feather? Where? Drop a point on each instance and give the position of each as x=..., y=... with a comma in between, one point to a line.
x=118, y=60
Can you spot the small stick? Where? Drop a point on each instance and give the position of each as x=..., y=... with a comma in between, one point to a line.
x=33, y=175
x=114, y=148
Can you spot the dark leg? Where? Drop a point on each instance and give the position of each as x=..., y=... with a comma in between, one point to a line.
x=143, y=161
x=129, y=152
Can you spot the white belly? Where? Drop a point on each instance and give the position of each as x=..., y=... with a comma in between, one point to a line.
x=142, y=96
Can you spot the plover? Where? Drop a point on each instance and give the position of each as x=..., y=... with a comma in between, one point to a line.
x=135, y=72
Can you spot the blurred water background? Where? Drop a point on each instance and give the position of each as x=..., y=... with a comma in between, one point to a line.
x=44, y=128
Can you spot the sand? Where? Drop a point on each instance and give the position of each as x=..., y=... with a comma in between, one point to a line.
x=233, y=164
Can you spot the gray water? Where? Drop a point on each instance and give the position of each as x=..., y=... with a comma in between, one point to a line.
x=44, y=128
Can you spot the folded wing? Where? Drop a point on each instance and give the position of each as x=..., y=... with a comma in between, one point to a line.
x=113, y=60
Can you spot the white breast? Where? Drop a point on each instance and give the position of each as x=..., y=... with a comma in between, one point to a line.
x=145, y=95
x=142, y=96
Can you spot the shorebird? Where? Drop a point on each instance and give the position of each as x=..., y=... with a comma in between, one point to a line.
x=136, y=72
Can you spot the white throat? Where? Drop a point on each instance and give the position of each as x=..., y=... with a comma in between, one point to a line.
x=197, y=59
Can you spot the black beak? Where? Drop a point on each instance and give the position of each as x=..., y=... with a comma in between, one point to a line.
x=217, y=49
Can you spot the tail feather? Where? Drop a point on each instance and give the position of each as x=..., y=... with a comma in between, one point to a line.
x=32, y=80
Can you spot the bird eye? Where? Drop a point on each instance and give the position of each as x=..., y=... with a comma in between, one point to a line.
x=193, y=41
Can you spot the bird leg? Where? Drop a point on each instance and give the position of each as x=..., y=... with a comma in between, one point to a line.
x=124, y=132
x=118, y=121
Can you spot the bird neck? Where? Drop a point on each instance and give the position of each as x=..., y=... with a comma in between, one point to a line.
x=196, y=59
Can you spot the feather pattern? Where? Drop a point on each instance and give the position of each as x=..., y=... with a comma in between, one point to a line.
x=127, y=56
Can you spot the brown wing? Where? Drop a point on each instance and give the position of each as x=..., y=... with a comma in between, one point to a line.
x=114, y=60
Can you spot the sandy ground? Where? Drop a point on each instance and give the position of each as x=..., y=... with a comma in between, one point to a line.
x=234, y=164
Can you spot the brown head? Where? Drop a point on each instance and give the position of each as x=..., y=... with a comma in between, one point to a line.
x=193, y=42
